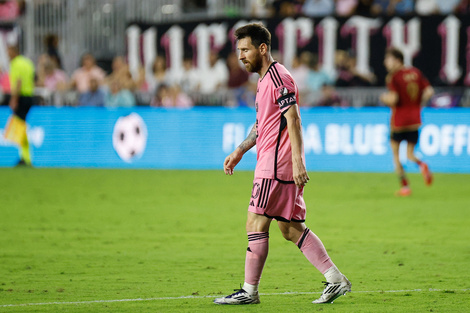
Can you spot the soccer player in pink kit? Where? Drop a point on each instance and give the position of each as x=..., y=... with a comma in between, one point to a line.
x=280, y=174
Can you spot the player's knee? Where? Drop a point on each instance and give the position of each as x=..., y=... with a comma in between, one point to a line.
x=257, y=224
x=287, y=234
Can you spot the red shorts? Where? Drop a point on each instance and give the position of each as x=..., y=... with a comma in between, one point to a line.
x=283, y=202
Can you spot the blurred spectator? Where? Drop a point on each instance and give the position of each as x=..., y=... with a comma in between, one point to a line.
x=179, y=98
x=4, y=82
x=426, y=7
x=95, y=97
x=187, y=78
x=329, y=98
x=316, y=8
x=51, y=42
x=286, y=8
x=463, y=7
x=360, y=79
x=89, y=70
x=383, y=7
x=403, y=7
x=447, y=7
x=171, y=97
x=215, y=77
x=316, y=77
x=161, y=93
x=300, y=69
x=238, y=82
x=119, y=96
x=260, y=8
x=9, y=10
x=347, y=74
x=364, y=7
x=343, y=74
x=120, y=71
x=346, y=7
x=237, y=76
x=49, y=75
x=159, y=74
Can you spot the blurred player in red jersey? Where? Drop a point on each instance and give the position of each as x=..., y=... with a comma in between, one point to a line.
x=408, y=90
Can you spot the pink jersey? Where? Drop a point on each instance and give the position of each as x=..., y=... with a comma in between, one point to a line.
x=276, y=92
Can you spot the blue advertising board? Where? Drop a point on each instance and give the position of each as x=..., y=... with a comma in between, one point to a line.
x=336, y=139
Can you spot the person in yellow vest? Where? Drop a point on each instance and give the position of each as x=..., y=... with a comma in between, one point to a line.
x=22, y=90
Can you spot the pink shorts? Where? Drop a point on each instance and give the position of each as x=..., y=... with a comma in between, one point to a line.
x=283, y=202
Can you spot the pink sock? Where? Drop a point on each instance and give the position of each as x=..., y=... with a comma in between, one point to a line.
x=256, y=254
x=313, y=249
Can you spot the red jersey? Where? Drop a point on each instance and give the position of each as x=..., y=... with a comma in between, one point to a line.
x=409, y=83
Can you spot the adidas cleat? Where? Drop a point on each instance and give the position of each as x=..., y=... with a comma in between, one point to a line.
x=333, y=291
x=240, y=296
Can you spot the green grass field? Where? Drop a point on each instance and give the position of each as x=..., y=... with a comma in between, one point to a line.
x=83, y=240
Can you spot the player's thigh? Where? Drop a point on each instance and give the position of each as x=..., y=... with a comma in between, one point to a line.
x=291, y=230
x=395, y=146
x=257, y=222
x=410, y=149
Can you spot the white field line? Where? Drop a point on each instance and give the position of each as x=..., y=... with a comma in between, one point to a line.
x=214, y=296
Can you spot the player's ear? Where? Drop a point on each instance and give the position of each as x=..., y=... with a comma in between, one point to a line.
x=263, y=48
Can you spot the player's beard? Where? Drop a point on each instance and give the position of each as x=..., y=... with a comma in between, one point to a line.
x=255, y=65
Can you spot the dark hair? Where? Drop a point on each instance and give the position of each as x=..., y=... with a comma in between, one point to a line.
x=51, y=40
x=394, y=52
x=87, y=55
x=258, y=33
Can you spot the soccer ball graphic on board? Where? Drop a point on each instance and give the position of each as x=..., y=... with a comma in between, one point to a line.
x=130, y=137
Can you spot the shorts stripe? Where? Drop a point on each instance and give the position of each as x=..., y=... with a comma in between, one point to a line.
x=273, y=199
x=265, y=187
x=262, y=194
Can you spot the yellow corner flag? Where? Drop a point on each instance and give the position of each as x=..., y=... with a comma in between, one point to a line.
x=15, y=130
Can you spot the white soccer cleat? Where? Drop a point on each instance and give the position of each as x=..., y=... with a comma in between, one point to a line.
x=333, y=291
x=240, y=296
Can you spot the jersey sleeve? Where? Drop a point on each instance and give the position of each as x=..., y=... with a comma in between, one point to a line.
x=285, y=94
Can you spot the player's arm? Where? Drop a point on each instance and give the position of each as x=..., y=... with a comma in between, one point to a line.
x=427, y=95
x=294, y=127
x=232, y=160
x=389, y=98
x=15, y=94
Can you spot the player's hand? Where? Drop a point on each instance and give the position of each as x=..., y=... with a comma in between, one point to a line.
x=300, y=175
x=231, y=161
x=13, y=103
x=389, y=98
